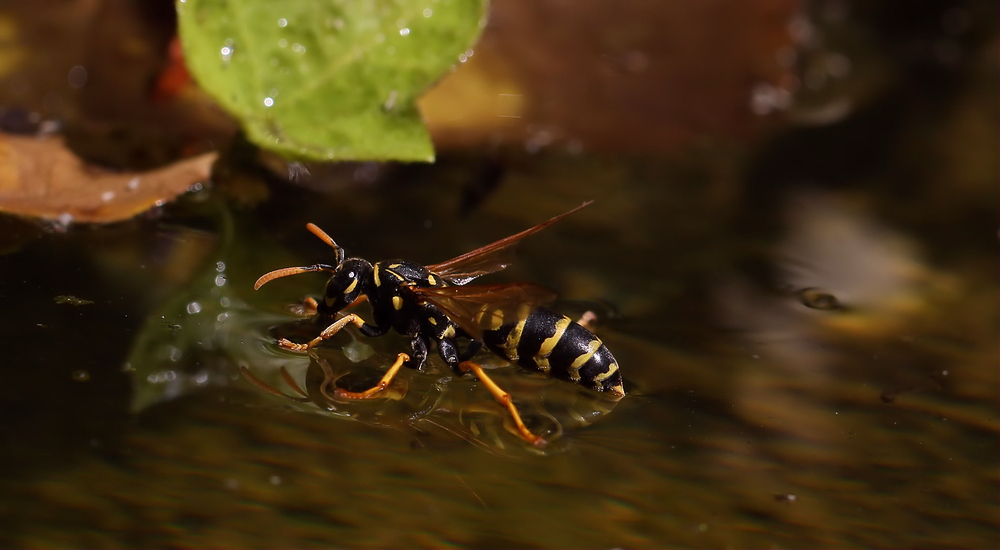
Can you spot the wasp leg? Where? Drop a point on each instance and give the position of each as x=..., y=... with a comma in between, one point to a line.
x=382, y=384
x=330, y=331
x=471, y=350
x=419, y=346
x=307, y=308
x=504, y=399
x=587, y=320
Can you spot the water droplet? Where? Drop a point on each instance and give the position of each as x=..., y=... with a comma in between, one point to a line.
x=469, y=52
x=404, y=32
x=817, y=298
x=358, y=351
x=298, y=48
x=224, y=302
x=64, y=220
x=227, y=53
x=77, y=76
x=222, y=316
x=220, y=280
x=194, y=307
x=268, y=101
x=133, y=183
x=107, y=196
x=81, y=375
x=462, y=58
x=401, y=23
x=282, y=22
x=201, y=378
x=282, y=43
x=428, y=12
x=220, y=266
x=275, y=480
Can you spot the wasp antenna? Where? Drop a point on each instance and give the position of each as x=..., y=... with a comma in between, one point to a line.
x=278, y=273
x=315, y=230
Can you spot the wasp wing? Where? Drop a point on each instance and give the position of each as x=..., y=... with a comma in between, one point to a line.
x=490, y=258
x=463, y=304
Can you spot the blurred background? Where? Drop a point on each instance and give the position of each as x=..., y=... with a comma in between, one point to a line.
x=792, y=254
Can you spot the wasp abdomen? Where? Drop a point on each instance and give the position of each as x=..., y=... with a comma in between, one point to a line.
x=552, y=343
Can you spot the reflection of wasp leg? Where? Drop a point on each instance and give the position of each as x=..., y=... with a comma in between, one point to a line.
x=504, y=399
x=327, y=332
x=377, y=388
x=271, y=389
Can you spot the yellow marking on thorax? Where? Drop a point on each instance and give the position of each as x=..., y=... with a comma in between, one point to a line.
x=350, y=287
x=431, y=280
x=448, y=332
x=378, y=281
x=394, y=265
x=397, y=303
x=574, y=369
x=550, y=343
x=398, y=276
x=432, y=321
x=514, y=338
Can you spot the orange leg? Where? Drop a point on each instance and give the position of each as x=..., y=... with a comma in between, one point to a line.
x=382, y=385
x=327, y=333
x=587, y=320
x=504, y=399
x=307, y=308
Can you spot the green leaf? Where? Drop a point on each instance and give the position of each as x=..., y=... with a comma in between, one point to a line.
x=328, y=79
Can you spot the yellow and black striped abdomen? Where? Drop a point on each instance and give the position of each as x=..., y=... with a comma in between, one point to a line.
x=552, y=343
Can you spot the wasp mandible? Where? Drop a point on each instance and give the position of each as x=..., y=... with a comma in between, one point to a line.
x=434, y=306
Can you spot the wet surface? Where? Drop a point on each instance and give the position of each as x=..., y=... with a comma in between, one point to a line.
x=806, y=323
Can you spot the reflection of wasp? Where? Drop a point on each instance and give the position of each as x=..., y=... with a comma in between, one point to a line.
x=434, y=304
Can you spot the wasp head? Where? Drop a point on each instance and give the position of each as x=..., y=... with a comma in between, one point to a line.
x=346, y=284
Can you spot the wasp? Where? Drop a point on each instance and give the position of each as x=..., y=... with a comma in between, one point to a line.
x=435, y=306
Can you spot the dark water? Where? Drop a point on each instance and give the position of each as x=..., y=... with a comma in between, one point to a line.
x=807, y=325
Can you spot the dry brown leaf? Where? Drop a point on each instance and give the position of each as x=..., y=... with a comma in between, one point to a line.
x=40, y=177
